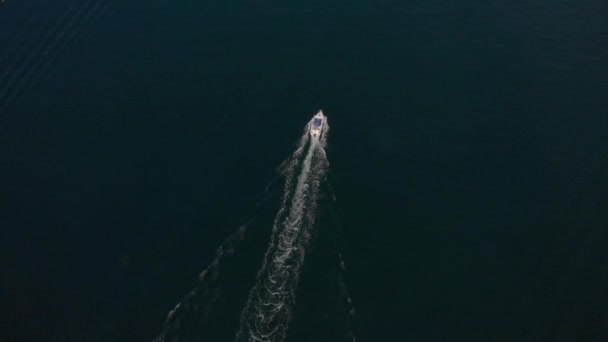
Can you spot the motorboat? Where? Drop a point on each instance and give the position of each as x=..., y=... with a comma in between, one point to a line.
x=316, y=125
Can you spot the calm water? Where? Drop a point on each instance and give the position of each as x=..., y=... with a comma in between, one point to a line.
x=468, y=162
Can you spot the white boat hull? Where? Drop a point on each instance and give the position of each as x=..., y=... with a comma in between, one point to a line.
x=316, y=125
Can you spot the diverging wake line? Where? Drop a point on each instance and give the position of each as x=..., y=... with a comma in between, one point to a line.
x=268, y=310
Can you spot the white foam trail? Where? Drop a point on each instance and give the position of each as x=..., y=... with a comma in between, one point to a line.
x=190, y=303
x=268, y=310
x=202, y=299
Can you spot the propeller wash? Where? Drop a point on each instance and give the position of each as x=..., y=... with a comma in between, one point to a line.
x=268, y=310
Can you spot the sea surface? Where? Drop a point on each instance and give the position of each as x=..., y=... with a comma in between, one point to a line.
x=465, y=198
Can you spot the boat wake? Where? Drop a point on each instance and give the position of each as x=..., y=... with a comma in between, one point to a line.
x=268, y=310
x=201, y=300
x=207, y=312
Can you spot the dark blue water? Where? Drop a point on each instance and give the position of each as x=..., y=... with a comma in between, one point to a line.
x=468, y=159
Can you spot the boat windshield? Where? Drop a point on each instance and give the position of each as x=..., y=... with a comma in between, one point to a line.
x=317, y=122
